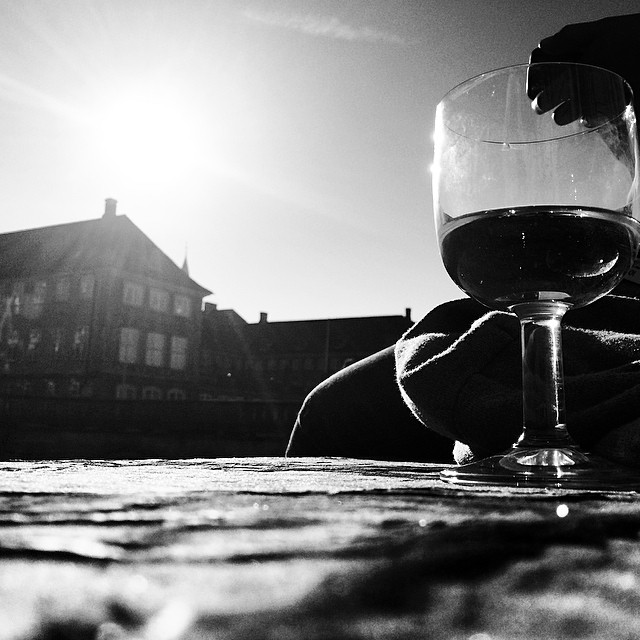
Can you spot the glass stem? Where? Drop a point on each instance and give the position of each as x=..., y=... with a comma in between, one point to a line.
x=542, y=376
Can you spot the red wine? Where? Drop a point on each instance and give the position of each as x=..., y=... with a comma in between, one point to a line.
x=505, y=257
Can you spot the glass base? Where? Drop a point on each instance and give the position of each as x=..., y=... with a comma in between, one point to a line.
x=521, y=468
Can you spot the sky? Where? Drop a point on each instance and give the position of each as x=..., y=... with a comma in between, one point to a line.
x=283, y=146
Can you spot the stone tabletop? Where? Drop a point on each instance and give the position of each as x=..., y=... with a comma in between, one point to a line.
x=307, y=548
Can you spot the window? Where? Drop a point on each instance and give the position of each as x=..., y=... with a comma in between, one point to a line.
x=87, y=283
x=128, y=351
x=176, y=394
x=57, y=342
x=133, y=294
x=74, y=387
x=18, y=297
x=178, y=359
x=126, y=392
x=39, y=291
x=182, y=306
x=80, y=340
x=63, y=289
x=158, y=300
x=13, y=338
x=35, y=336
x=155, y=350
x=151, y=393
x=34, y=299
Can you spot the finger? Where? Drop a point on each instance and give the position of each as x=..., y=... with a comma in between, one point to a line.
x=567, y=112
x=543, y=103
x=556, y=81
x=556, y=89
x=593, y=98
x=538, y=76
x=610, y=43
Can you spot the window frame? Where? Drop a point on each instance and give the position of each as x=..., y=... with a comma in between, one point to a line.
x=130, y=391
x=132, y=294
x=182, y=305
x=159, y=299
x=129, y=349
x=62, y=291
x=155, y=348
x=87, y=285
x=80, y=342
x=178, y=351
x=176, y=394
x=151, y=392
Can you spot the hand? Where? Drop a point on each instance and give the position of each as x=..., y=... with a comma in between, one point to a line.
x=612, y=43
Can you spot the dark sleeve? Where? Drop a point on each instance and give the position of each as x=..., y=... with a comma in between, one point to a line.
x=359, y=413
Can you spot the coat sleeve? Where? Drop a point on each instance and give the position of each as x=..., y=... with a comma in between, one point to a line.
x=459, y=371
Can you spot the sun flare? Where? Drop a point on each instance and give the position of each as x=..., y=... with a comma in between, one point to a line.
x=147, y=135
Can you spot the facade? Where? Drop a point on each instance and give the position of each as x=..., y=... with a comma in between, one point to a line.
x=285, y=360
x=95, y=309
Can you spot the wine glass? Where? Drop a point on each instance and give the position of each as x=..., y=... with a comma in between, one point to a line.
x=536, y=208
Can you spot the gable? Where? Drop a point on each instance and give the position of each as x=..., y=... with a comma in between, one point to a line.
x=88, y=246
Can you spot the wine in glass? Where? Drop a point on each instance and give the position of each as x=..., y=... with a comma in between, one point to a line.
x=536, y=209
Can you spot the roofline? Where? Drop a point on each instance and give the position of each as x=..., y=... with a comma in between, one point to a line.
x=346, y=318
x=205, y=292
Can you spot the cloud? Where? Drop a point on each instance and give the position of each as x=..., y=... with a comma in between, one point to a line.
x=323, y=26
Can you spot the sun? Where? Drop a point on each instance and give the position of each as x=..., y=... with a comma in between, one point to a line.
x=147, y=134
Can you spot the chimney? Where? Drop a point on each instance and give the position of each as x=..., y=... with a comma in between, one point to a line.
x=407, y=313
x=263, y=317
x=110, y=208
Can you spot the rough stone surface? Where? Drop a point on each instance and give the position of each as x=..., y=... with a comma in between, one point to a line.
x=307, y=548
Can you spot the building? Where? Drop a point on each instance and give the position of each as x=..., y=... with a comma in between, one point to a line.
x=95, y=309
x=98, y=327
x=285, y=360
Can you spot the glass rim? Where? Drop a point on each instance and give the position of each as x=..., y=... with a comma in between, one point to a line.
x=456, y=89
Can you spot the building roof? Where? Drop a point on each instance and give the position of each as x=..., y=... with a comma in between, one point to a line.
x=353, y=335
x=107, y=242
x=360, y=334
